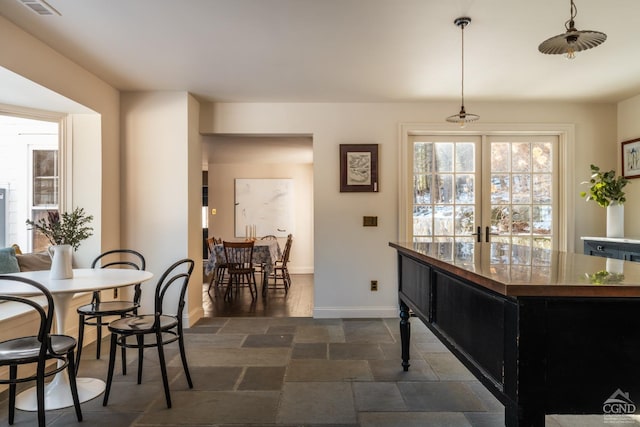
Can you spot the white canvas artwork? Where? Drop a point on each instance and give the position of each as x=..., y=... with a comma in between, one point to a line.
x=266, y=204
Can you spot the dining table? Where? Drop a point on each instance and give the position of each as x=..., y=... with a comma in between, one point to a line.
x=265, y=253
x=58, y=391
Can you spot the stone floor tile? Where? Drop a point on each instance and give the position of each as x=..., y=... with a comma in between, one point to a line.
x=319, y=333
x=317, y=403
x=94, y=419
x=309, y=351
x=203, y=342
x=211, y=321
x=486, y=419
x=245, y=326
x=430, y=347
x=447, y=367
x=353, y=351
x=412, y=419
x=262, y=378
x=440, y=396
x=241, y=357
x=391, y=370
x=488, y=400
x=378, y=397
x=202, y=330
x=210, y=378
x=281, y=329
x=328, y=370
x=367, y=331
x=214, y=407
x=261, y=341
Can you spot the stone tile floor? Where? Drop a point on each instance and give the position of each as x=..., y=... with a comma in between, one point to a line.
x=290, y=372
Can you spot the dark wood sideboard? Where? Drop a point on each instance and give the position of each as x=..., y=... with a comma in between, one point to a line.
x=613, y=247
x=529, y=324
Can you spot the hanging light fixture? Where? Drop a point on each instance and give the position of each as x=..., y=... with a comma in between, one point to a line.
x=462, y=117
x=572, y=40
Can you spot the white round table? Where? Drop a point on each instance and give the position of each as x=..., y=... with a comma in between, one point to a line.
x=58, y=391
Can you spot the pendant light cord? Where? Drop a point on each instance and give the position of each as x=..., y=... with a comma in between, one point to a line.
x=573, y=11
x=462, y=69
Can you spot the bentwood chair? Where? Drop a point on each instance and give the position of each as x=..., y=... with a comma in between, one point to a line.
x=162, y=327
x=37, y=349
x=240, y=267
x=280, y=271
x=93, y=313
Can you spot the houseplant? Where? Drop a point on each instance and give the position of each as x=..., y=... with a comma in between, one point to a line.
x=65, y=233
x=607, y=191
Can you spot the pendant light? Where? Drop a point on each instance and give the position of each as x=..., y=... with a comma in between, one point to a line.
x=462, y=117
x=572, y=40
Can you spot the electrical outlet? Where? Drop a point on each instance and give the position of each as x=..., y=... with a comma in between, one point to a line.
x=374, y=285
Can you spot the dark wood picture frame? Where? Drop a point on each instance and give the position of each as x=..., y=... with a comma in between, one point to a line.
x=359, y=168
x=631, y=158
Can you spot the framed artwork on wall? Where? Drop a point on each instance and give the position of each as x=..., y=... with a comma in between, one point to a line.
x=631, y=158
x=359, y=168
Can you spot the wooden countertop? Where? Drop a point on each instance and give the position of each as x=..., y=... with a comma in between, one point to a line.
x=518, y=271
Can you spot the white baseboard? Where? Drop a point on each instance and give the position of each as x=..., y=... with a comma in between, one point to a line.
x=355, y=312
x=300, y=270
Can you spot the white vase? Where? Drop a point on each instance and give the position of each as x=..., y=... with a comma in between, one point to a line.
x=615, y=220
x=61, y=262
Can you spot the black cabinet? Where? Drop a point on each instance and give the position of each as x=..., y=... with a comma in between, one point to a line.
x=625, y=249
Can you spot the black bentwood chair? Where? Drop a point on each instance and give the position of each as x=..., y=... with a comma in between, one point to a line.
x=37, y=349
x=93, y=313
x=164, y=325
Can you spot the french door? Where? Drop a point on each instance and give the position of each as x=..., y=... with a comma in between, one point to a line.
x=485, y=188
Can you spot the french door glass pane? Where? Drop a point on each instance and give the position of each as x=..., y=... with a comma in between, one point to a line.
x=522, y=192
x=444, y=190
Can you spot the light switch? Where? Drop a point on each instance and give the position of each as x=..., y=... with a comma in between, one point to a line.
x=213, y=211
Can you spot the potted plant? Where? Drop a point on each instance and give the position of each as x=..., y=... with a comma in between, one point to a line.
x=607, y=191
x=65, y=233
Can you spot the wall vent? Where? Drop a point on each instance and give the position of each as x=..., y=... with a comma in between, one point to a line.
x=41, y=7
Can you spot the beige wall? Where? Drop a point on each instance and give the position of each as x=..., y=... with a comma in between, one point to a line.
x=629, y=128
x=346, y=255
x=222, y=198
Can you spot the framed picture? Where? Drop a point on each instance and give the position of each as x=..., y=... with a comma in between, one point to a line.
x=359, y=168
x=631, y=158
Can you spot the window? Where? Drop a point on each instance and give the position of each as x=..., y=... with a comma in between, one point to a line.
x=29, y=175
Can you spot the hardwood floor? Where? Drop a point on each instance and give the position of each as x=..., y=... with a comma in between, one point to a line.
x=298, y=302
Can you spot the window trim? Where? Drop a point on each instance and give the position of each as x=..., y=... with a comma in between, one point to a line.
x=566, y=140
x=64, y=144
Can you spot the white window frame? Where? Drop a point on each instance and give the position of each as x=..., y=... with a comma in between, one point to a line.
x=566, y=140
x=64, y=147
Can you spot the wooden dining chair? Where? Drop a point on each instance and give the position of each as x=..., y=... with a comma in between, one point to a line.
x=240, y=268
x=36, y=350
x=165, y=325
x=280, y=274
x=93, y=314
x=218, y=274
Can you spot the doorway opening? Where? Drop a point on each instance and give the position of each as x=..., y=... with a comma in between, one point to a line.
x=227, y=158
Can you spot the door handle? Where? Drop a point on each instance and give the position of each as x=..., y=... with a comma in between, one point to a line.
x=487, y=234
x=478, y=234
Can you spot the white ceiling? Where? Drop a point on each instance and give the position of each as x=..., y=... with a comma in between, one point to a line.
x=343, y=50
